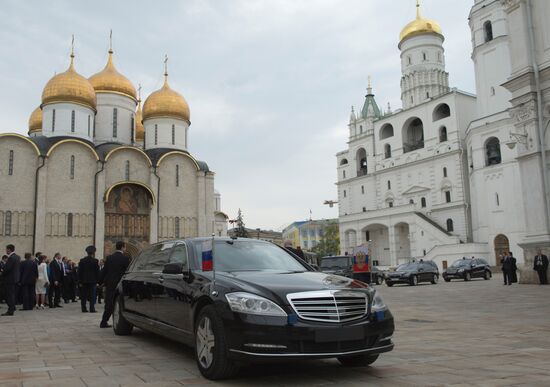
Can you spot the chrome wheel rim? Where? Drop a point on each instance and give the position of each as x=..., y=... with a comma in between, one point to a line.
x=435, y=279
x=415, y=280
x=116, y=311
x=205, y=343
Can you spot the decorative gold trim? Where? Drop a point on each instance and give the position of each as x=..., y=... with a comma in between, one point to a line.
x=116, y=92
x=129, y=147
x=108, y=190
x=23, y=138
x=179, y=153
x=73, y=140
x=175, y=117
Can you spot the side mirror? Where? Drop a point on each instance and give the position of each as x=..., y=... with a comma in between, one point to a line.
x=173, y=268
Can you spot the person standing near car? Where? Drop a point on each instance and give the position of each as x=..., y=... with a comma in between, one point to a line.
x=540, y=265
x=56, y=279
x=27, y=281
x=10, y=275
x=113, y=270
x=509, y=269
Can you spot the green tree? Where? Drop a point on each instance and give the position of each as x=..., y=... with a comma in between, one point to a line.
x=240, y=230
x=330, y=241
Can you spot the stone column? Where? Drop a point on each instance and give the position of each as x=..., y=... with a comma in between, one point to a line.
x=40, y=232
x=100, y=212
x=154, y=217
x=201, y=205
x=392, y=245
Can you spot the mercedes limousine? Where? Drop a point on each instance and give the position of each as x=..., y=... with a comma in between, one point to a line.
x=260, y=303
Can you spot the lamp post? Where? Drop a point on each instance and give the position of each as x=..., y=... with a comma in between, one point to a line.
x=258, y=233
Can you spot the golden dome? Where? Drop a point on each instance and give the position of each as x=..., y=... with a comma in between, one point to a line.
x=35, y=121
x=69, y=87
x=419, y=26
x=110, y=80
x=166, y=103
x=140, y=130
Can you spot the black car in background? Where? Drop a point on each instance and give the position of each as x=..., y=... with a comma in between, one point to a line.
x=413, y=273
x=343, y=265
x=468, y=268
x=261, y=303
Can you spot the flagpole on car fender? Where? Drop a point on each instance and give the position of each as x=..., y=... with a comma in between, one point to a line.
x=214, y=292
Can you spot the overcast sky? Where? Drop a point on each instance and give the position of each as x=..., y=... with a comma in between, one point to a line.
x=269, y=83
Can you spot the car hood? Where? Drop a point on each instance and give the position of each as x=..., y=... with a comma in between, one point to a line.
x=276, y=285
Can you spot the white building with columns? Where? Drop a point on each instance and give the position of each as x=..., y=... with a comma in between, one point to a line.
x=97, y=168
x=453, y=174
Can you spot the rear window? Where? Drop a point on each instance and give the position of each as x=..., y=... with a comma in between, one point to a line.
x=341, y=262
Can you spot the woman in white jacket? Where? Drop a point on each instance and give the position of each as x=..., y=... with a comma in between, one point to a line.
x=42, y=282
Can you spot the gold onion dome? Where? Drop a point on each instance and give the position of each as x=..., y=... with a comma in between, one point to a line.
x=419, y=26
x=69, y=87
x=35, y=121
x=165, y=102
x=140, y=130
x=110, y=80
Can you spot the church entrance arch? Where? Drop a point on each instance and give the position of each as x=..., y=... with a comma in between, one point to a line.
x=127, y=217
x=502, y=246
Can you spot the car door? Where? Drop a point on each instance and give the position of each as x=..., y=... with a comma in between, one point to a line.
x=479, y=268
x=174, y=302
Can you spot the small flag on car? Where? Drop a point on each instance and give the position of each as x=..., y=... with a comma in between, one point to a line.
x=207, y=256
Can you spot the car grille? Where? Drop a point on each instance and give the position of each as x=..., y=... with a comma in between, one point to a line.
x=329, y=305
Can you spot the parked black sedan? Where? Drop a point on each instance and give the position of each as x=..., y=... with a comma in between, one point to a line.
x=413, y=273
x=261, y=303
x=468, y=268
x=343, y=265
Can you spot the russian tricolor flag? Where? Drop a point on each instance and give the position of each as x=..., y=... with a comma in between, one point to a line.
x=207, y=256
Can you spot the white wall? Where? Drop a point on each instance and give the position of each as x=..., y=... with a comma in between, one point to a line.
x=104, y=131
x=163, y=129
x=63, y=120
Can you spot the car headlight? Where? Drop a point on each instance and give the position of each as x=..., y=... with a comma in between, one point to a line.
x=460, y=270
x=252, y=304
x=378, y=303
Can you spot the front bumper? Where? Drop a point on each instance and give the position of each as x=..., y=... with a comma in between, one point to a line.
x=398, y=280
x=453, y=275
x=258, y=338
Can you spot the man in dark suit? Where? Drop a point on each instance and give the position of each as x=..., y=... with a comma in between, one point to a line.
x=88, y=277
x=115, y=267
x=509, y=269
x=2, y=288
x=57, y=274
x=27, y=281
x=540, y=265
x=10, y=274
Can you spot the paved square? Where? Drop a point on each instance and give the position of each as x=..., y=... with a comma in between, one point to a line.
x=477, y=333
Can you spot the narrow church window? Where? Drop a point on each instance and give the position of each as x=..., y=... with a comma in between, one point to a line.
x=70, y=224
x=156, y=134
x=127, y=170
x=360, y=128
x=53, y=120
x=132, y=124
x=492, y=90
x=492, y=151
x=444, y=171
x=115, y=122
x=177, y=175
x=71, y=168
x=387, y=151
x=173, y=134
x=7, y=224
x=424, y=57
x=345, y=193
x=367, y=235
x=364, y=209
x=442, y=134
x=389, y=184
x=390, y=204
x=427, y=95
x=363, y=189
x=411, y=201
x=488, y=31
x=72, y=121
x=94, y=126
x=439, y=57
x=10, y=163
x=423, y=202
x=88, y=126
x=412, y=100
x=497, y=199
x=450, y=226
x=177, y=228
x=409, y=60
x=448, y=196
x=344, y=174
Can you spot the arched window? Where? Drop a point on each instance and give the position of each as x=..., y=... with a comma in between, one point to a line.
x=386, y=131
x=488, y=31
x=363, y=189
x=413, y=135
x=10, y=163
x=389, y=184
x=70, y=224
x=127, y=170
x=115, y=122
x=361, y=162
x=411, y=201
x=390, y=204
x=444, y=171
x=442, y=134
x=72, y=121
x=7, y=224
x=343, y=174
x=345, y=193
x=344, y=162
x=71, y=171
x=441, y=111
x=450, y=227
x=423, y=202
x=492, y=151
x=447, y=196
x=387, y=151
x=173, y=134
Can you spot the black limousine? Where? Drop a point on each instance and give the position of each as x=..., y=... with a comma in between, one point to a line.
x=260, y=303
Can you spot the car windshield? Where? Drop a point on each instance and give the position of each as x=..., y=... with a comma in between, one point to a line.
x=342, y=262
x=406, y=267
x=247, y=255
x=461, y=263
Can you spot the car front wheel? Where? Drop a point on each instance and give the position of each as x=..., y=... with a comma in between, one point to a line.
x=357, y=361
x=467, y=276
x=487, y=275
x=390, y=284
x=379, y=280
x=211, y=347
x=121, y=326
x=447, y=279
x=414, y=280
x=434, y=279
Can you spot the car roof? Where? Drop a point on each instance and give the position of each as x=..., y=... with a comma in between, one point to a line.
x=203, y=239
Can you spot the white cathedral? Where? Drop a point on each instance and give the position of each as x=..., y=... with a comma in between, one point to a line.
x=453, y=174
x=96, y=168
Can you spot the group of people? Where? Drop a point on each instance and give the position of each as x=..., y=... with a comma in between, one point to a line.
x=509, y=267
x=37, y=282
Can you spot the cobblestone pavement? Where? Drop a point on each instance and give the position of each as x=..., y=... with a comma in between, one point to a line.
x=477, y=333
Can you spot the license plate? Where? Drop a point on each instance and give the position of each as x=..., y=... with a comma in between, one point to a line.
x=339, y=334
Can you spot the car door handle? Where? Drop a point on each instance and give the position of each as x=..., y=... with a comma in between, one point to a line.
x=159, y=276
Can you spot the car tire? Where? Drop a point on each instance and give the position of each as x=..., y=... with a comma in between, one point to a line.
x=434, y=279
x=447, y=279
x=357, y=361
x=487, y=275
x=121, y=326
x=414, y=280
x=211, y=347
x=467, y=276
x=379, y=280
x=390, y=284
